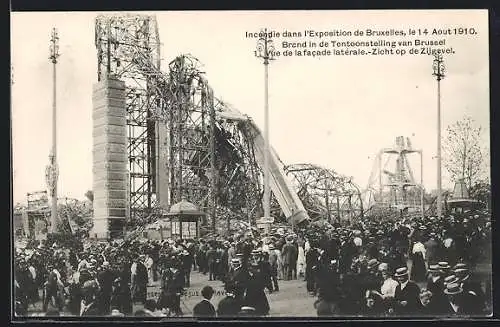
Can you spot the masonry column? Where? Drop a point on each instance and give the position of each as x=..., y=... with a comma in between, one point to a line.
x=109, y=158
x=162, y=157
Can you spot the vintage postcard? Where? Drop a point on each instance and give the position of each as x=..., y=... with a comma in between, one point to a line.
x=251, y=163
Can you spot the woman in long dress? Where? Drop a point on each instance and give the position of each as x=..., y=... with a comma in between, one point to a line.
x=418, y=270
x=301, y=262
x=279, y=262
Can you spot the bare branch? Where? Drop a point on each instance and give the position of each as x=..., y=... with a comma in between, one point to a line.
x=463, y=153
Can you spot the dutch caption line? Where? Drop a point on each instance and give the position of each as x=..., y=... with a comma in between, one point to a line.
x=338, y=42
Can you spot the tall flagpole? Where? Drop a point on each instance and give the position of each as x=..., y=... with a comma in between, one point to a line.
x=265, y=49
x=438, y=71
x=52, y=170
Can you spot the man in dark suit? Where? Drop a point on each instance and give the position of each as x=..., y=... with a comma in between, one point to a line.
x=211, y=261
x=247, y=251
x=172, y=285
x=311, y=265
x=90, y=306
x=187, y=262
x=52, y=287
x=105, y=279
x=457, y=303
x=273, y=264
x=473, y=293
x=123, y=295
x=204, y=308
x=201, y=257
x=432, y=249
x=435, y=282
x=139, y=280
x=255, y=296
x=238, y=277
x=407, y=294
x=229, y=306
x=266, y=272
x=289, y=255
x=371, y=280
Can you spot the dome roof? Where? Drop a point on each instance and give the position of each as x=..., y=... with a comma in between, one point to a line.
x=184, y=207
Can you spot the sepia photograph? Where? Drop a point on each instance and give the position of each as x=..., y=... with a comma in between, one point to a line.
x=227, y=164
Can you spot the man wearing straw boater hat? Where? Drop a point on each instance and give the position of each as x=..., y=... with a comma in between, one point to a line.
x=436, y=286
x=238, y=277
x=435, y=282
x=407, y=294
x=456, y=305
x=445, y=267
x=451, y=279
x=473, y=293
x=255, y=296
x=289, y=255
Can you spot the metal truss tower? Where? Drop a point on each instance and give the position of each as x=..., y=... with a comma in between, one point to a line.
x=237, y=168
x=396, y=189
x=128, y=48
x=191, y=139
x=326, y=194
x=172, y=125
x=183, y=142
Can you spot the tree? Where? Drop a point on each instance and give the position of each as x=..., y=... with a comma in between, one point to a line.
x=464, y=156
x=90, y=195
x=481, y=191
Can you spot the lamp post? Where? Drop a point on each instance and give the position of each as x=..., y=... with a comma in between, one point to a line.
x=52, y=171
x=265, y=50
x=438, y=71
x=422, y=189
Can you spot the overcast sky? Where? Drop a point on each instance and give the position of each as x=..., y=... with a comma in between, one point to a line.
x=335, y=111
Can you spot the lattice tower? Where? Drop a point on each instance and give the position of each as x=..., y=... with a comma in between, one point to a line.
x=200, y=154
x=326, y=194
x=128, y=48
x=396, y=188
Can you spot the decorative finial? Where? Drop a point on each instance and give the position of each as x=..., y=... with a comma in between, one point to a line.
x=438, y=66
x=265, y=47
x=54, y=46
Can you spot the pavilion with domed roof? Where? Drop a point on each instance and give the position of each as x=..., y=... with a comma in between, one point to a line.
x=185, y=218
x=460, y=202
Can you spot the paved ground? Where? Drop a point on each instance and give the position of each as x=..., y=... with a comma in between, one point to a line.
x=291, y=300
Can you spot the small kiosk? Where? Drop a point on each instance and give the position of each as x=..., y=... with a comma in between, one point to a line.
x=185, y=220
x=460, y=203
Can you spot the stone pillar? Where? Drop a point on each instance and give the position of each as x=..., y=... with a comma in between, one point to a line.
x=162, y=159
x=109, y=156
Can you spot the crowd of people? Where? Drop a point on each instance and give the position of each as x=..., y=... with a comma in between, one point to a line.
x=410, y=267
x=418, y=267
